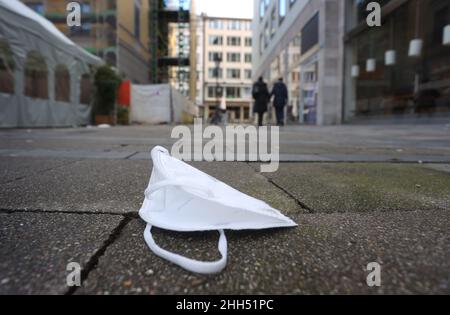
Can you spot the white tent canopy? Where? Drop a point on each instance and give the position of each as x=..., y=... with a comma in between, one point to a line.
x=41, y=71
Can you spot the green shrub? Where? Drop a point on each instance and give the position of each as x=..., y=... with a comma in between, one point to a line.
x=106, y=84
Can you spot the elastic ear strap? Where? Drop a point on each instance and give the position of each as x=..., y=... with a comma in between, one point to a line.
x=187, y=263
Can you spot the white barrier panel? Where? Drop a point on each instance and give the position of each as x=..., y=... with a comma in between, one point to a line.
x=150, y=104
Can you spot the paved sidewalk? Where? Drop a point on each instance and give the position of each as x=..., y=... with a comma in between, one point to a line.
x=360, y=194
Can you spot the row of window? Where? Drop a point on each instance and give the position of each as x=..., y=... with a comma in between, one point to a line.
x=231, y=92
x=40, y=8
x=214, y=73
x=271, y=25
x=219, y=24
x=217, y=40
x=36, y=77
x=282, y=7
x=231, y=57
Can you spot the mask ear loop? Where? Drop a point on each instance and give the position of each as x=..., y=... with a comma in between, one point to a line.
x=191, y=265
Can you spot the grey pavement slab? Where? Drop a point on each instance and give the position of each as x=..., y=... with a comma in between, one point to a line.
x=18, y=168
x=327, y=253
x=439, y=167
x=73, y=154
x=36, y=248
x=118, y=186
x=88, y=185
x=359, y=187
x=386, y=140
x=418, y=158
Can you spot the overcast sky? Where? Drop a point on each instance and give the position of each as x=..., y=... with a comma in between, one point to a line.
x=226, y=8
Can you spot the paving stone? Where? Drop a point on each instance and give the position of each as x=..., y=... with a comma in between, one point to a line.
x=356, y=187
x=326, y=254
x=36, y=248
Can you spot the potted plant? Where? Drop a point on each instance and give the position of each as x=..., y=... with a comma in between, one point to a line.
x=106, y=84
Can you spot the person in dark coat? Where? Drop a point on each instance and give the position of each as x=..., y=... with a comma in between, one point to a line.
x=261, y=95
x=280, y=94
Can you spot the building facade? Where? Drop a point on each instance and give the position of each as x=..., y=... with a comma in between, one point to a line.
x=115, y=30
x=387, y=76
x=301, y=42
x=230, y=41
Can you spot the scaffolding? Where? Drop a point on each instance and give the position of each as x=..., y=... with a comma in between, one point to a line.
x=161, y=15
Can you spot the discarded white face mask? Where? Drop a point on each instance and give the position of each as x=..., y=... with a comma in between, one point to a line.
x=181, y=198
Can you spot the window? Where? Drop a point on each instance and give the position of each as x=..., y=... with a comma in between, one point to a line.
x=248, y=74
x=282, y=9
x=215, y=40
x=215, y=24
x=83, y=30
x=291, y=2
x=212, y=73
x=7, y=66
x=233, y=41
x=272, y=23
x=262, y=9
x=233, y=57
x=212, y=92
x=247, y=92
x=294, y=51
x=266, y=3
x=266, y=35
x=137, y=19
x=85, y=8
x=310, y=34
x=233, y=73
x=261, y=44
x=111, y=58
x=37, y=7
x=248, y=58
x=212, y=56
x=62, y=84
x=36, y=76
x=86, y=89
x=234, y=25
x=248, y=42
x=233, y=92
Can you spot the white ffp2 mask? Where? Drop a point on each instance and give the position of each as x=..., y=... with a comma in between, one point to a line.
x=181, y=198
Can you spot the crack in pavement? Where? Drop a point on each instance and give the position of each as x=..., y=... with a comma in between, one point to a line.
x=298, y=202
x=131, y=214
x=92, y=264
x=131, y=155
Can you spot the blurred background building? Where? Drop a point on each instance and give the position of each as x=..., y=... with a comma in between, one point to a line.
x=301, y=42
x=115, y=30
x=225, y=66
x=410, y=76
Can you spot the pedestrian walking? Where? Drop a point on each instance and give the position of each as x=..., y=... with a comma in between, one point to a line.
x=261, y=95
x=220, y=116
x=280, y=95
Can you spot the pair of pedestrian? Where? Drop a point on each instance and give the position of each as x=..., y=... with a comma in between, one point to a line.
x=262, y=97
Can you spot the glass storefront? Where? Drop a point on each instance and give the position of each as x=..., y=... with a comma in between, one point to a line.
x=397, y=84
